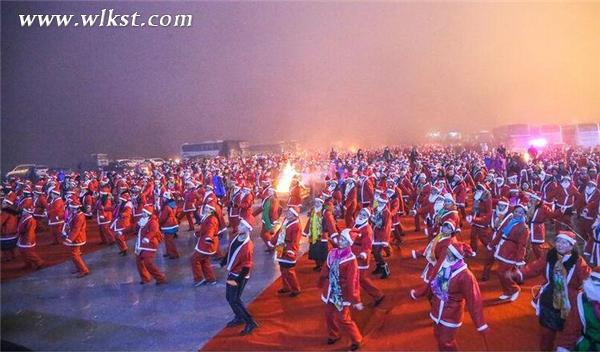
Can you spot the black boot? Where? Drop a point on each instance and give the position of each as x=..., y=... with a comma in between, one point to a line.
x=235, y=322
x=385, y=273
x=248, y=329
x=377, y=270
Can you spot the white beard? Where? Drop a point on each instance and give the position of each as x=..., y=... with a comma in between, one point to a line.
x=592, y=290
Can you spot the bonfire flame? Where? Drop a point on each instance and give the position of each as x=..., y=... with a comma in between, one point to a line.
x=285, y=180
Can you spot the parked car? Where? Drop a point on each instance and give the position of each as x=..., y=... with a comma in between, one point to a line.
x=28, y=171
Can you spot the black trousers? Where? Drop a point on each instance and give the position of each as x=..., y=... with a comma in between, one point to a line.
x=377, y=249
x=234, y=298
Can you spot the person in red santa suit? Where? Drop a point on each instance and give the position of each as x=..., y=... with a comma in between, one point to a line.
x=582, y=328
x=122, y=221
x=453, y=287
x=104, y=216
x=40, y=203
x=8, y=230
x=75, y=236
x=564, y=270
x=361, y=247
x=366, y=190
x=206, y=247
x=340, y=290
x=548, y=187
x=396, y=207
x=509, y=246
x=458, y=189
x=427, y=211
x=239, y=263
x=319, y=229
x=245, y=202
x=436, y=250
x=169, y=226
x=538, y=214
x=287, y=245
x=269, y=212
x=587, y=210
x=350, y=201
x=27, y=238
x=480, y=216
x=382, y=231
x=86, y=198
x=500, y=189
x=146, y=244
x=296, y=189
x=564, y=198
x=189, y=203
x=233, y=210
x=56, y=215
x=421, y=199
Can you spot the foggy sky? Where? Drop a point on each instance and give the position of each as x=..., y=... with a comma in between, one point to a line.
x=264, y=71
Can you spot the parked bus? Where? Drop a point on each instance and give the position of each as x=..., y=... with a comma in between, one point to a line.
x=212, y=149
x=513, y=136
x=582, y=135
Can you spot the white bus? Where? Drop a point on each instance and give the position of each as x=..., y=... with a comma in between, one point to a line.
x=212, y=149
x=582, y=135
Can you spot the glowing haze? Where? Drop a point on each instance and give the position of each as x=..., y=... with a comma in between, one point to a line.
x=359, y=72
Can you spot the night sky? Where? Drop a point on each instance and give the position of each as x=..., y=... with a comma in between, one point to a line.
x=265, y=71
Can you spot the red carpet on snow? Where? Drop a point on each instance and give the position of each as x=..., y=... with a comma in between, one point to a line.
x=399, y=323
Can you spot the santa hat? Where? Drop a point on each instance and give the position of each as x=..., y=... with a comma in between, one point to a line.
x=367, y=210
x=38, y=189
x=148, y=209
x=460, y=250
x=567, y=236
x=565, y=178
x=326, y=195
x=348, y=235
x=317, y=199
x=294, y=210
x=502, y=201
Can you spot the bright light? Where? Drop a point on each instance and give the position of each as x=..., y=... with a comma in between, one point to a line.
x=539, y=142
x=526, y=157
x=285, y=180
x=352, y=149
x=177, y=161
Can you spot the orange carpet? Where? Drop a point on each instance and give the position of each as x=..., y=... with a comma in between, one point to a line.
x=398, y=324
x=53, y=254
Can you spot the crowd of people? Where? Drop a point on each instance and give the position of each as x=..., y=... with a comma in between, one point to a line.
x=356, y=214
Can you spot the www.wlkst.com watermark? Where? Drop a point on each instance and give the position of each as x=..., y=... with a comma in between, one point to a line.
x=106, y=18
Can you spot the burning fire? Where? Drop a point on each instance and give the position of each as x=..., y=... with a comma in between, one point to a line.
x=285, y=180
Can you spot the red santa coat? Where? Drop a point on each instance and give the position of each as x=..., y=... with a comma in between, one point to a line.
x=367, y=192
x=245, y=205
x=348, y=279
x=565, y=198
x=208, y=236
x=26, y=231
x=291, y=243
x=435, y=253
x=350, y=203
x=189, y=200
x=9, y=222
x=329, y=225
x=396, y=204
x=76, y=230
x=481, y=220
x=104, y=212
x=422, y=192
x=241, y=257
x=462, y=288
x=168, y=220
x=88, y=204
x=587, y=205
x=548, y=189
x=510, y=248
x=537, y=229
x=383, y=230
x=124, y=217
x=234, y=210
x=40, y=205
x=56, y=211
x=295, y=197
x=459, y=191
x=149, y=236
x=362, y=245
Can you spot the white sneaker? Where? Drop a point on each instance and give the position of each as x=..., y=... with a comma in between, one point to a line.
x=474, y=254
x=515, y=296
x=200, y=283
x=503, y=297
